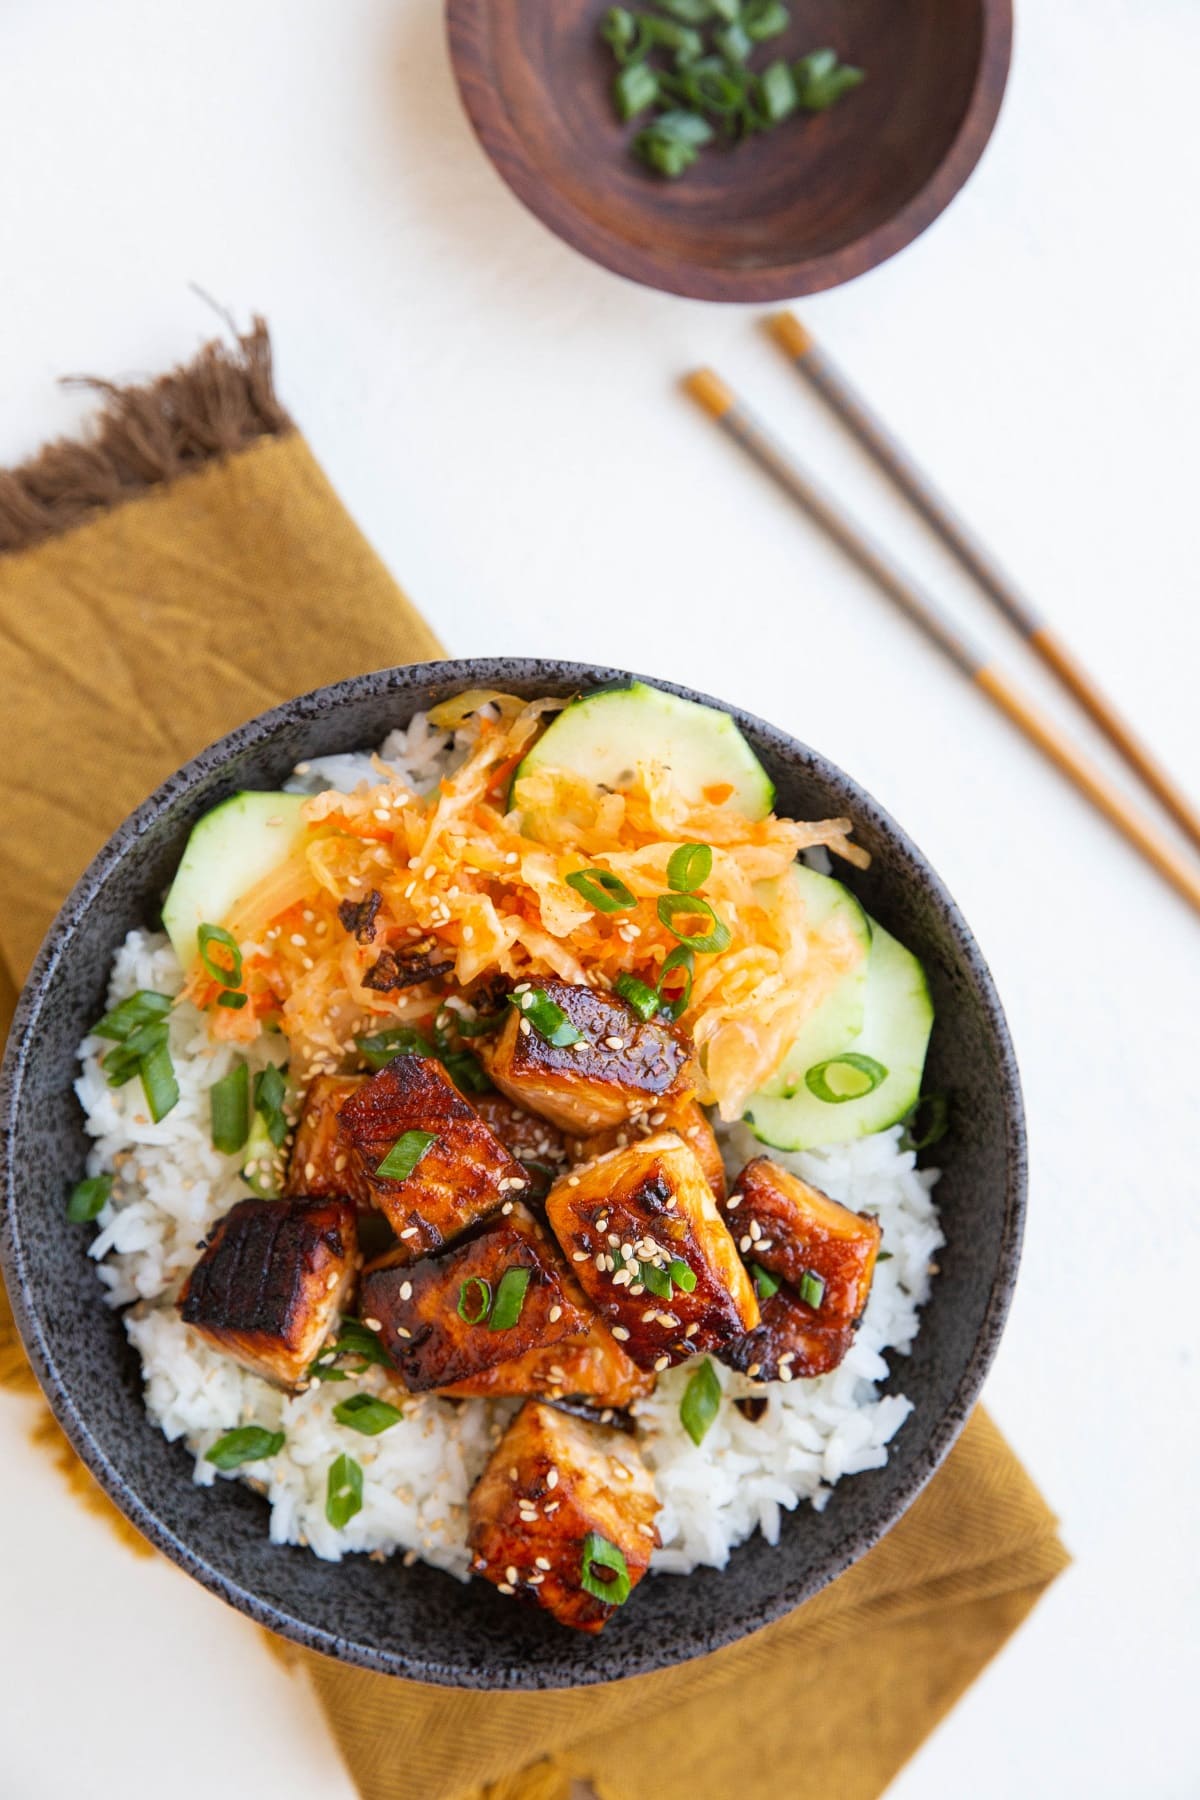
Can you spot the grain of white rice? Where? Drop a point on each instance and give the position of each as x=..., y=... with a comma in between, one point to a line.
x=171, y=1187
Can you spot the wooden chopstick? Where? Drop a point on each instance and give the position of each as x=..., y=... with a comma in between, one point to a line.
x=890, y=456
x=735, y=418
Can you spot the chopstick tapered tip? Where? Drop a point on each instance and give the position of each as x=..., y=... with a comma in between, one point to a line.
x=706, y=386
x=789, y=334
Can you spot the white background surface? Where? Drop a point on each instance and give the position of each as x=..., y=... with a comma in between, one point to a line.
x=501, y=418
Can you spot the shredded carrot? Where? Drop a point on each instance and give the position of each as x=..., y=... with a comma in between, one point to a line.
x=487, y=889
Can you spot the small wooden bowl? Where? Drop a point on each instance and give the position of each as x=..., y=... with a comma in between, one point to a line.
x=814, y=203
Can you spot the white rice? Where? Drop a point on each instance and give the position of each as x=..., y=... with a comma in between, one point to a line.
x=171, y=1187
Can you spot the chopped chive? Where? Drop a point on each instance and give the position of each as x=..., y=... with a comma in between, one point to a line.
x=88, y=1198
x=405, y=1154
x=474, y=1300
x=229, y=1100
x=811, y=1289
x=229, y=974
x=676, y=995
x=683, y=1276
x=690, y=906
x=655, y=1280
x=603, y=1571
x=701, y=1402
x=367, y=1413
x=248, y=1443
x=547, y=1019
x=510, y=1299
x=158, y=1080
x=382, y=1047
x=689, y=868
x=644, y=1000
x=143, y=1008
x=602, y=889
x=765, y=1284
x=343, y=1491
x=849, y=1076
x=635, y=88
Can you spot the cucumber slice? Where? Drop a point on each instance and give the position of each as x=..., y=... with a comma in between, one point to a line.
x=895, y=1034
x=837, y=1022
x=231, y=849
x=605, y=736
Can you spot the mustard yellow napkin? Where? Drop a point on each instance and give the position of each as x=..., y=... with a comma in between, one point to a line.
x=186, y=567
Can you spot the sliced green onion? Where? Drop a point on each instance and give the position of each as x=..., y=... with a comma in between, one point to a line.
x=378, y=1050
x=692, y=12
x=671, y=145
x=474, y=1300
x=229, y=975
x=765, y=1283
x=343, y=1491
x=665, y=34
x=778, y=92
x=734, y=43
x=367, y=1413
x=354, y=1339
x=935, y=1130
x=884, y=1256
x=811, y=1289
x=683, y=1276
x=510, y=1299
x=846, y=1077
x=270, y=1092
x=229, y=1100
x=765, y=19
x=143, y=1008
x=644, y=1000
x=619, y=31
x=701, y=1402
x=689, y=868
x=821, y=79
x=547, y=1019
x=158, y=1080
x=234, y=1001
x=123, y=1063
x=655, y=1280
x=603, y=1571
x=249, y=1443
x=602, y=889
x=88, y=1198
x=405, y=1154
x=675, y=998
x=690, y=906
x=466, y=1072
x=478, y=1027
x=545, y=1174
x=635, y=88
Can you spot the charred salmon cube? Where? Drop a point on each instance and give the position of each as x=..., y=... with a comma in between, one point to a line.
x=619, y=1066
x=273, y=1277
x=539, y=1146
x=791, y=1342
x=502, y=1292
x=825, y=1252
x=563, y=1516
x=431, y=1165
x=686, y=1118
x=590, y=1367
x=322, y=1159
x=648, y=1246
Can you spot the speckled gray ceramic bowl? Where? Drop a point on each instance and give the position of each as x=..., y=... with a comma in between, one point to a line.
x=417, y=1622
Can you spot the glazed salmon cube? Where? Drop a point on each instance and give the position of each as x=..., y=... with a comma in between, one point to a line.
x=791, y=1342
x=539, y=1146
x=441, y=1318
x=563, y=1501
x=619, y=1066
x=590, y=1367
x=461, y=1172
x=825, y=1252
x=647, y=1244
x=322, y=1159
x=273, y=1277
x=686, y=1118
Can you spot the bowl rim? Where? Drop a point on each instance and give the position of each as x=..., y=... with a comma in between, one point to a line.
x=493, y=125
x=723, y=1628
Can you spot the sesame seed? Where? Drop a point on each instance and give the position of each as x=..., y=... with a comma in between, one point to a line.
x=692, y=1329
x=636, y=1289
x=662, y=1362
x=507, y=1207
x=754, y=1369
x=332, y=1279
x=505, y=1587
x=784, y=1373
x=511, y=1573
x=298, y=939
x=381, y=813
x=339, y=1163
x=526, y=1027
x=601, y=1263
x=733, y=1202
x=402, y=1332
x=310, y=1169
x=579, y=1256
x=430, y=871
x=410, y=1231
x=620, y=1333
x=512, y=858
x=550, y=1507
x=615, y=1043
x=551, y=1477
x=573, y=1181
x=745, y=1243
x=658, y=1118
x=512, y=1473
x=468, y=932
x=405, y=1291
x=646, y=1530
x=377, y=1324
x=526, y=1001
x=534, y=1580
x=622, y=1278
x=648, y=1317
x=542, y=1562
x=555, y=1313
x=755, y=1230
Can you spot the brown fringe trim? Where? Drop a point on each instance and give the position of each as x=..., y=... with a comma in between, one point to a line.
x=144, y=437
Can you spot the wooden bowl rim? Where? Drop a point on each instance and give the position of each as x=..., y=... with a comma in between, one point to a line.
x=493, y=126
